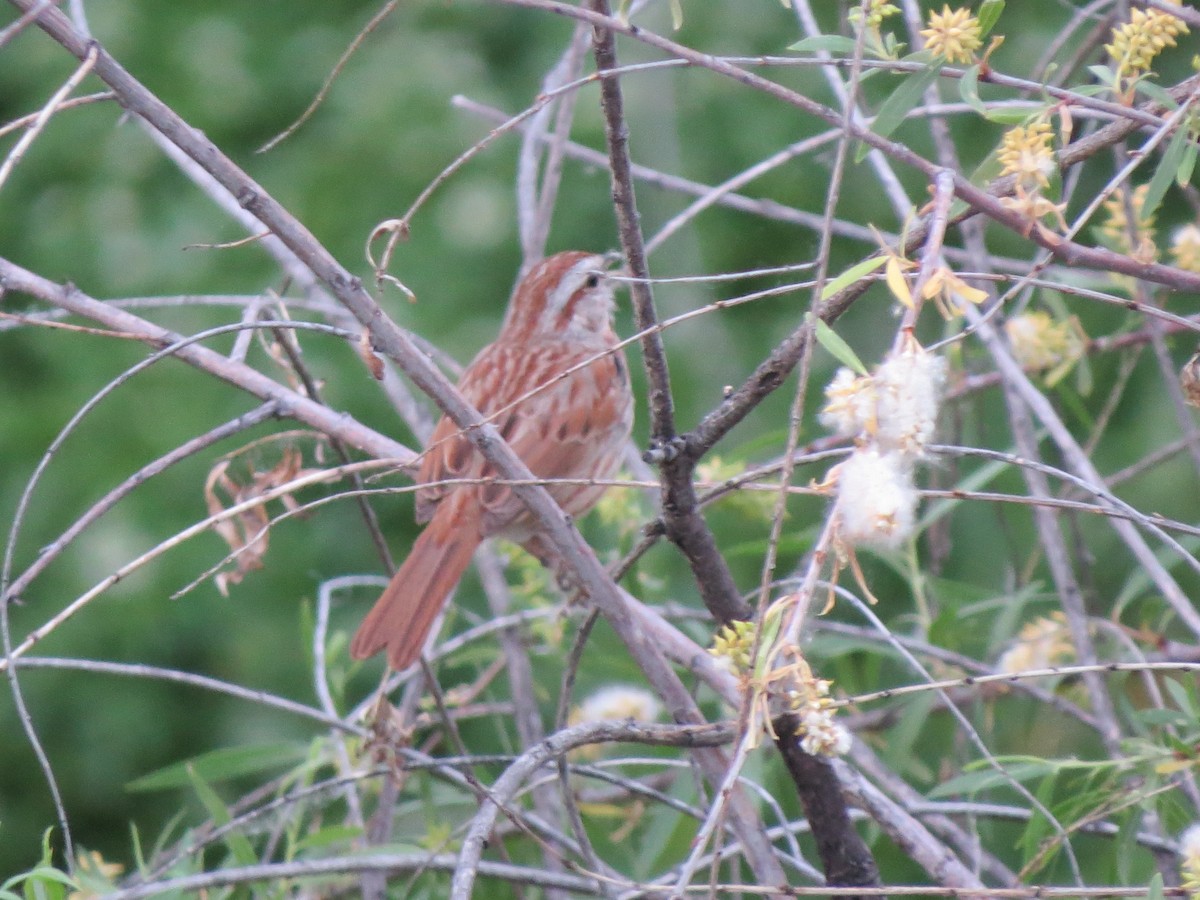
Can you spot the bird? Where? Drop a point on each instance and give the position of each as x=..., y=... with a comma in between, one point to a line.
x=555, y=384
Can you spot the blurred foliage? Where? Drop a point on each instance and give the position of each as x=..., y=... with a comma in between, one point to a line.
x=96, y=204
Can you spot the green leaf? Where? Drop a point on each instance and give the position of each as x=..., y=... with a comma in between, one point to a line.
x=833, y=43
x=1178, y=746
x=326, y=837
x=984, y=779
x=1083, y=377
x=1038, y=828
x=851, y=275
x=988, y=15
x=139, y=857
x=1166, y=171
x=1164, y=717
x=37, y=880
x=1158, y=94
x=968, y=89
x=237, y=842
x=914, y=715
x=1125, y=848
x=1181, y=697
x=838, y=348
x=1155, y=888
x=1183, y=174
x=51, y=874
x=974, y=481
x=219, y=765
x=1007, y=115
x=42, y=881
x=907, y=95
x=772, y=622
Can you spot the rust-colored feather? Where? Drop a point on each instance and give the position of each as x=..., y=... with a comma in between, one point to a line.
x=403, y=615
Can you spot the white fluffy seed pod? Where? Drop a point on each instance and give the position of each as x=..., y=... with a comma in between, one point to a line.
x=908, y=390
x=876, y=499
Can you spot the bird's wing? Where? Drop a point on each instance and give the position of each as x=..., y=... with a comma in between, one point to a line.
x=563, y=430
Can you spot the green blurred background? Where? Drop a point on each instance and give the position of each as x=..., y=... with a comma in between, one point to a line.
x=96, y=204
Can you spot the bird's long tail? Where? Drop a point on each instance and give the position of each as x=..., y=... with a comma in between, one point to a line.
x=404, y=613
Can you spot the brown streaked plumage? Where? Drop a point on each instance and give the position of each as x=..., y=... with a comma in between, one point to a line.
x=563, y=426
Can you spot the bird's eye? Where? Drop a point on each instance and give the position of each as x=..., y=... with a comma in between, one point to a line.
x=592, y=280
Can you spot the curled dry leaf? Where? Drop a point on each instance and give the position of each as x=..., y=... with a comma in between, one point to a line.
x=247, y=532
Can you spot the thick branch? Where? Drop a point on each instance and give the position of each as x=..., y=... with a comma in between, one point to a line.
x=684, y=523
x=844, y=855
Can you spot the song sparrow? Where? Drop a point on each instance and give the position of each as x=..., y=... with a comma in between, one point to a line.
x=563, y=422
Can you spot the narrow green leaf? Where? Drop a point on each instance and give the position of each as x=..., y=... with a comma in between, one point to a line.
x=1158, y=94
x=1007, y=115
x=1181, y=697
x=1125, y=848
x=1165, y=717
x=834, y=43
x=1155, y=888
x=51, y=875
x=237, y=842
x=219, y=765
x=1038, y=828
x=1187, y=165
x=766, y=639
x=135, y=840
x=968, y=783
x=837, y=347
x=914, y=715
x=852, y=274
x=327, y=837
x=1084, y=383
x=968, y=89
x=907, y=95
x=974, y=481
x=1165, y=173
x=1024, y=770
x=988, y=15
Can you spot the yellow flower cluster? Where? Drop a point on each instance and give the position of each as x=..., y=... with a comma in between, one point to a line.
x=1185, y=248
x=1135, y=43
x=733, y=644
x=810, y=700
x=615, y=702
x=1026, y=154
x=1040, y=343
x=877, y=11
x=94, y=875
x=1041, y=644
x=1189, y=860
x=953, y=34
x=619, y=702
x=1116, y=229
